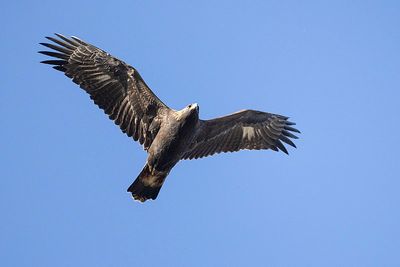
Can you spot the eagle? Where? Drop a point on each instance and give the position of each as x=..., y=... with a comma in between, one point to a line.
x=167, y=135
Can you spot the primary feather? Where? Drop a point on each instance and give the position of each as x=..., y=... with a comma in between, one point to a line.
x=247, y=129
x=113, y=85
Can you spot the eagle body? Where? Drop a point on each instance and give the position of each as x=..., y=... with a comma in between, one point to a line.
x=175, y=135
x=166, y=134
x=171, y=142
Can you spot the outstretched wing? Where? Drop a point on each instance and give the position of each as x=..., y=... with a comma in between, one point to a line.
x=113, y=85
x=246, y=129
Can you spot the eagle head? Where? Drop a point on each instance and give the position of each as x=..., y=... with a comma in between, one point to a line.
x=193, y=110
x=193, y=107
x=189, y=112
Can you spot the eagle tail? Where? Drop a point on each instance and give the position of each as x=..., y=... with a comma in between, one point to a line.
x=147, y=185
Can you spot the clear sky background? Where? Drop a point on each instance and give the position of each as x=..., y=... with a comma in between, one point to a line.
x=332, y=66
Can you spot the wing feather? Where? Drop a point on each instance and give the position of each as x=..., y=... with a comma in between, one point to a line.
x=246, y=129
x=114, y=86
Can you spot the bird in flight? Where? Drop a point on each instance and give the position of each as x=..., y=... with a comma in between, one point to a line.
x=166, y=134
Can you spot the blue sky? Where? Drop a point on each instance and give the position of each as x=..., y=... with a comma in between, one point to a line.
x=332, y=66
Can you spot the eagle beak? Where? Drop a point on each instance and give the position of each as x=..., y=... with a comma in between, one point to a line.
x=195, y=106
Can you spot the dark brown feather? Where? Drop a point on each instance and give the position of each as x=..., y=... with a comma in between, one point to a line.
x=246, y=129
x=114, y=86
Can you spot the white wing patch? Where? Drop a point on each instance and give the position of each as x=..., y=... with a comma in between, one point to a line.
x=248, y=133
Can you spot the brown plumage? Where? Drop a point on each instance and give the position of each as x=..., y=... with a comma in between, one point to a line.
x=166, y=134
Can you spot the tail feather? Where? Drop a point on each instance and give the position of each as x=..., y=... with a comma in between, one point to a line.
x=147, y=185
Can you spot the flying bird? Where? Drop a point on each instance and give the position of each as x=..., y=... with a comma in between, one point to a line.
x=166, y=134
